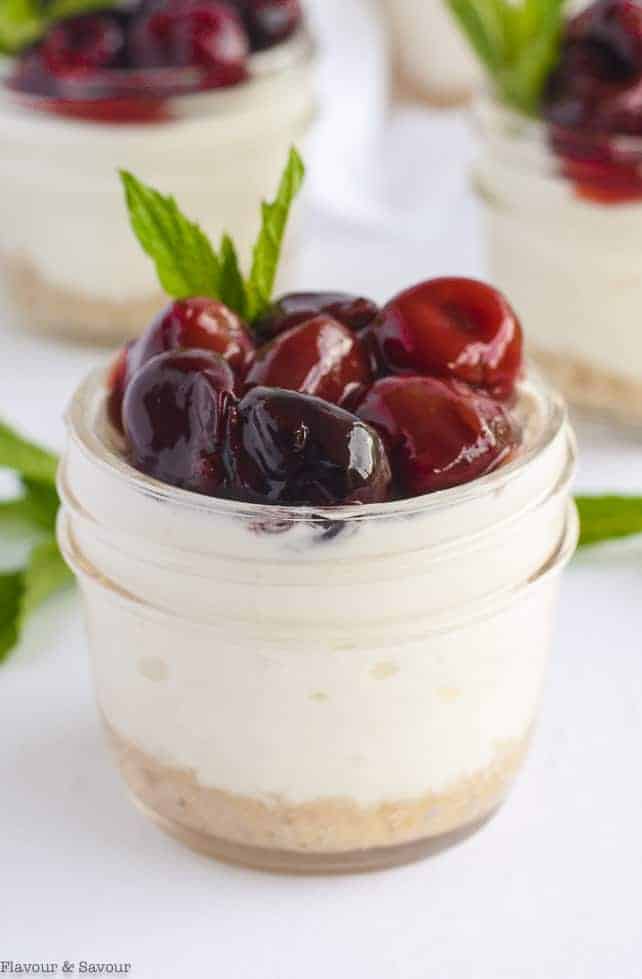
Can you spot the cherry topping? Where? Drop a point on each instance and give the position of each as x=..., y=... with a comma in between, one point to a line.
x=83, y=44
x=270, y=21
x=295, y=449
x=439, y=433
x=595, y=93
x=204, y=33
x=175, y=415
x=452, y=327
x=355, y=312
x=321, y=357
x=199, y=322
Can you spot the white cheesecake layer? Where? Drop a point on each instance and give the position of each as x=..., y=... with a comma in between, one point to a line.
x=571, y=267
x=383, y=661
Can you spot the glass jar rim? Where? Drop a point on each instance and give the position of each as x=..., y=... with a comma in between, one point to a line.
x=88, y=404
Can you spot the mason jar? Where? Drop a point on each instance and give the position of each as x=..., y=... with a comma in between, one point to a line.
x=310, y=689
x=69, y=262
x=568, y=255
x=432, y=60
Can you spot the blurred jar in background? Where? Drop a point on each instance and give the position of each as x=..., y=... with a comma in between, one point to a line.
x=432, y=61
x=216, y=135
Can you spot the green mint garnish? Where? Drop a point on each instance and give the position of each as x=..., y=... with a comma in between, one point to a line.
x=604, y=518
x=517, y=42
x=34, y=510
x=267, y=250
x=23, y=22
x=186, y=262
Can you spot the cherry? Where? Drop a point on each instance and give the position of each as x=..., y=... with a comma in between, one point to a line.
x=291, y=448
x=270, y=21
x=609, y=33
x=355, y=312
x=452, y=327
x=175, y=415
x=199, y=322
x=321, y=357
x=191, y=33
x=84, y=43
x=439, y=433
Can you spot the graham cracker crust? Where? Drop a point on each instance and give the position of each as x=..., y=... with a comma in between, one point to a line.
x=591, y=389
x=327, y=835
x=44, y=307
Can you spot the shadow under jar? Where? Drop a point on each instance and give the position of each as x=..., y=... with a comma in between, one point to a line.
x=311, y=690
x=69, y=262
x=563, y=224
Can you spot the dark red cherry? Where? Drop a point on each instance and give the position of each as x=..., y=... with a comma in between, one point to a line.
x=198, y=322
x=320, y=357
x=84, y=43
x=185, y=323
x=438, y=433
x=175, y=416
x=291, y=448
x=183, y=33
x=609, y=34
x=116, y=385
x=270, y=21
x=452, y=327
x=355, y=312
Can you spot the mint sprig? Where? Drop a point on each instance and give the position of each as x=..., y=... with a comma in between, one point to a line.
x=187, y=263
x=34, y=511
x=517, y=42
x=23, y=22
x=604, y=518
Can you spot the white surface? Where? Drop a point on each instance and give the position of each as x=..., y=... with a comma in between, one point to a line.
x=549, y=890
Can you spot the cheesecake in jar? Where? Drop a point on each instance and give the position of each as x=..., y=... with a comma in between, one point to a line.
x=320, y=556
x=199, y=97
x=559, y=178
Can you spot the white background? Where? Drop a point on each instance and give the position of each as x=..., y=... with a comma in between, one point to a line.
x=549, y=890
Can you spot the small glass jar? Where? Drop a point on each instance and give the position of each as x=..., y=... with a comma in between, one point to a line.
x=432, y=61
x=306, y=689
x=69, y=262
x=571, y=265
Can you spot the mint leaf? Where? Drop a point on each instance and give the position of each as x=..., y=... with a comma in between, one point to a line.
x=26, y=458
x=45, y=573
x=185, y=260
x=232, y=287
x=517, y=41
x=22, y=22
x=21, y=591
x=267, y=250
x=605, y=518
x=11, y=586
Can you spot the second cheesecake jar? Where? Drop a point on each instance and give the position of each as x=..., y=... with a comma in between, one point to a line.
x=68, y=263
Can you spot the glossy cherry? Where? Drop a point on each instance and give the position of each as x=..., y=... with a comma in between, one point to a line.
x=270, y=21
x=439, y=433
x=200, y=322
x=84, y=43
x=355, y=312
x=291, y=448
x=452, y=327
x=175, y=415
x=198, y=33
x=321, y=357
